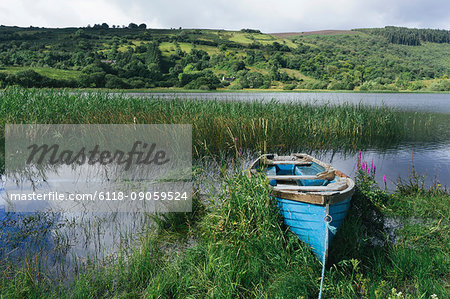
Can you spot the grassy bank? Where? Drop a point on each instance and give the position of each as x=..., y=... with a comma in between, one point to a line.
x=242, y=249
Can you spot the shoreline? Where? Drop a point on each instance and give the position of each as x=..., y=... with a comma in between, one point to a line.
x=225, y=91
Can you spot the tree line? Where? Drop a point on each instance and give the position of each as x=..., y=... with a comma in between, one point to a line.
x=411, y=36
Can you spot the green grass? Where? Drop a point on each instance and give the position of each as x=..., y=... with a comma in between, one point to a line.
x=45, y=71
x=414, y=199
x=243, y=250
x=296, y=74
x=248, y=38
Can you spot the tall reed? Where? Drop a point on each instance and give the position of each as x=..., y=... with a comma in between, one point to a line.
x=222, y=126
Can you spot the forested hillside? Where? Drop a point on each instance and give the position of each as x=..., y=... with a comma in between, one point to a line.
x=390, y=58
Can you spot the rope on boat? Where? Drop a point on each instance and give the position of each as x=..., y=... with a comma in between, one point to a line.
x=327, y=219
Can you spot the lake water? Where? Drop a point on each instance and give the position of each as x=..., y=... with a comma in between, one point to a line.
x=100, y=236
x=429, y=102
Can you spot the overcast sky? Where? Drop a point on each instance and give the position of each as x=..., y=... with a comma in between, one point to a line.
x=268, y=16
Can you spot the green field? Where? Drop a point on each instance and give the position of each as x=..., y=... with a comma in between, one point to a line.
x=44, y=71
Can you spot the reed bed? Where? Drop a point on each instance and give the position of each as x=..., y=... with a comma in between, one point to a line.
x=225, y=126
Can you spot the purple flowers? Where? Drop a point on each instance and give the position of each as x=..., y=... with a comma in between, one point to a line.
x=358, y=162
x=364, y=166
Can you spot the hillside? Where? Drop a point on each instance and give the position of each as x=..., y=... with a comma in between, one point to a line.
x=318, y=32
x=388, y=58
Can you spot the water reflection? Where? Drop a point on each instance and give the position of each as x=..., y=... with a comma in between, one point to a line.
x=59, y=244
x=431, y=161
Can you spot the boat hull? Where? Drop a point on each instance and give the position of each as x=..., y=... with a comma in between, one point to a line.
x=313, y=197
x=308, y=222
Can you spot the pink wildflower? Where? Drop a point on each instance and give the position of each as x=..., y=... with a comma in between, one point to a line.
x=358, y=161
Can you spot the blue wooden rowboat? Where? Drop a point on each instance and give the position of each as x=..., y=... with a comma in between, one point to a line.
x=313, y=197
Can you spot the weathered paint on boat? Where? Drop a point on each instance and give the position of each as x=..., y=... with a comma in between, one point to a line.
x=307, y=221
x=312, y=196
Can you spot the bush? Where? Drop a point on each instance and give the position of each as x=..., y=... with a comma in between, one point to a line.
x=339, y=85
x=418, y=85
x=252, y=80
x=96, y=79
x=441, y=85
x=114, y=82
x=28, y=78
x=246, y=30
x=136, y=83
x=373, y=85
x=313, y=85
x=207, y=82
x=235, y=86
x=289, y=86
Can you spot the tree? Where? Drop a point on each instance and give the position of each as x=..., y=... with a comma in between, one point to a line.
x=132, y=26
x=142, y=26
x=246, y=30
x=29, y=78
x=252, y=80
x=114, y=82
x=153, y=55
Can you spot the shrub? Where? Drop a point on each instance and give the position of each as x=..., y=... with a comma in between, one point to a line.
x=252, y=80
x=339, y=85
x=441, y=85
x=114, y=82
x=289, y=86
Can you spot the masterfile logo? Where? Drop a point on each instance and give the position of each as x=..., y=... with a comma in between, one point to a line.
x=95, y=168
